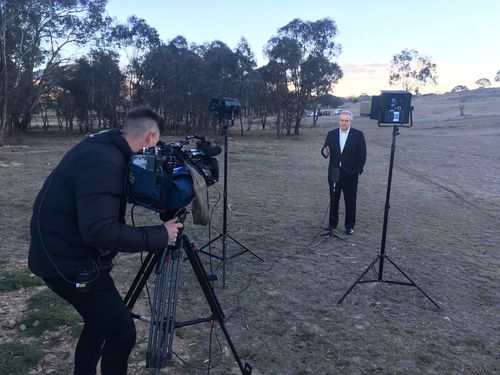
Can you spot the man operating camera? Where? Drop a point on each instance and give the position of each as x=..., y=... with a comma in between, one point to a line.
x=77, y=228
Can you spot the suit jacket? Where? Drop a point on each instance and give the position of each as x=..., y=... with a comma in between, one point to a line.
x=353, y=157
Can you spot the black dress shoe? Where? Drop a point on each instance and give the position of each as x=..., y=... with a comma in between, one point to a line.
x=349, y=231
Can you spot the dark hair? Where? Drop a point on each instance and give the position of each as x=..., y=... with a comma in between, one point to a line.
x=140, y=113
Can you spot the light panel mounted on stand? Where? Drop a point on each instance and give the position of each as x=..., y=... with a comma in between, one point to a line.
x=392, y=108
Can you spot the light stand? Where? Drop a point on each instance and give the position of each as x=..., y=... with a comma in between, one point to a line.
x=226, y=110
x=383, y=256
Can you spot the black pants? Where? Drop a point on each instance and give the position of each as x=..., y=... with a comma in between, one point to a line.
x=108, y=331
x=348, y=185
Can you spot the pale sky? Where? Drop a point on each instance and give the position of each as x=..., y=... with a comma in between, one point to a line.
x=461, y=36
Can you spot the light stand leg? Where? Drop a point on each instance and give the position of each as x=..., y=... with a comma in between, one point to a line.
x=411, y=281
x=359, y=279
x=382, y=255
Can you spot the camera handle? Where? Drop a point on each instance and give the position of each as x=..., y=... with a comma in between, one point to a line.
x=181, y=217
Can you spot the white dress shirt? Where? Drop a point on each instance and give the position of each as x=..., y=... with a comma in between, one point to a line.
x=343, y=138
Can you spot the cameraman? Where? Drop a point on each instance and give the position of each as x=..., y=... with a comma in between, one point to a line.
x=77, y=228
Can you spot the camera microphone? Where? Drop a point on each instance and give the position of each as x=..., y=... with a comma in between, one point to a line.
x=197, y=136
x=209, y=149
x=335, y=174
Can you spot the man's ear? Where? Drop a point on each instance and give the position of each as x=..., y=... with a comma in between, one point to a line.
x=150, y=137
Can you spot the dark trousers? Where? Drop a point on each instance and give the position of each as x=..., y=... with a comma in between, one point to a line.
x=348, y=185
x=108, y=331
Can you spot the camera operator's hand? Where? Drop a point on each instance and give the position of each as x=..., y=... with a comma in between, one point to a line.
x=172, y=228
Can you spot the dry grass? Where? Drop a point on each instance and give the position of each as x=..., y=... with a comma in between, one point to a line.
x=283, y=314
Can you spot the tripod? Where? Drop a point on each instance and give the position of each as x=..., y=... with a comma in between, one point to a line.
x=383, y=256
x=224, y=235
x=162, y=322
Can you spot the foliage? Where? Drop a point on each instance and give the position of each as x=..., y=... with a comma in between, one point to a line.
x=329, y=101
x=18, y=358
x=47, y=311
x=176, y=79
x=301, y=67
x=16, y=279
x=497, y=77
x=483, y=83
x=459, y=88
x=33, y=37
x=412, y=71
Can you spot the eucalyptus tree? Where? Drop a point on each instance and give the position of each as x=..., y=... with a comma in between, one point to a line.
x=172, y=78
x=318, y=74
x=107, y=83
x=221, y=69
x=305, y=51
x=459, y=88
x=35, y=37
x=483, y=83
x=411, y=70
x=89, y=91
x=260, y=96
x=274, y=75
x=284, y=60
x=134, y=39
x=246, y=65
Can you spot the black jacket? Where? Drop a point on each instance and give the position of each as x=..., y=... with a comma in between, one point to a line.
x=79, y=214
x=353, y=157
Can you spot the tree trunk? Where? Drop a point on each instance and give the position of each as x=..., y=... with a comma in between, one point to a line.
x=278, y=123
x=298, y=120
x=249, y=121
x=3, y=116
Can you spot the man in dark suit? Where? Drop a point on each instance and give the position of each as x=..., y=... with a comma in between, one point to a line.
x=346, y=148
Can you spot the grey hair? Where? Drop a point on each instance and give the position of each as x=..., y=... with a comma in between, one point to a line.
x=346, y=112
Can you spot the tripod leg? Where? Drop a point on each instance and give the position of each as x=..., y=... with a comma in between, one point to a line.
x=411, y=281
x=359, y=278
x=141, y=279
x=164, y=305
x=212, y=300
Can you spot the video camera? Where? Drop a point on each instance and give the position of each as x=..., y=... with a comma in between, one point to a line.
x=161, y=178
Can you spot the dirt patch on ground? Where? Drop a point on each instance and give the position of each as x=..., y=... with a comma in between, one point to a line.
x=283, y=316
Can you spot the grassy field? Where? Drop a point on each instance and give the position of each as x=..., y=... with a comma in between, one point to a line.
x=282, y=314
